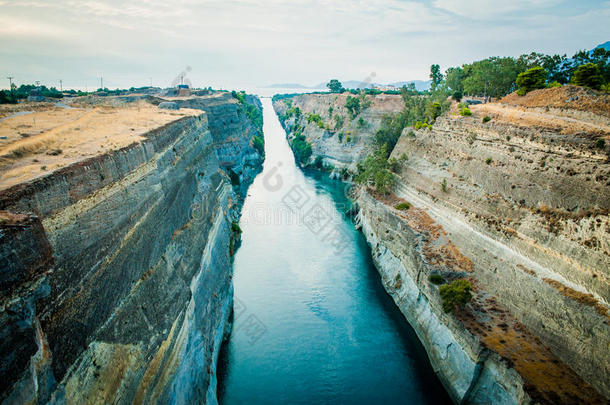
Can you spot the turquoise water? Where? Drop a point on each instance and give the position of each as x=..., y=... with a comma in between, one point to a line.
x=313, y=324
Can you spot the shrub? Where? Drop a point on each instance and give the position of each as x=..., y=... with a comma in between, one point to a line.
x=486, y=119
x=456, y=294
x=301, y=148
x=457, y=96
x=348, y=139
x=600, y=143
x=424, y=125
x=462, y=105
x=375, y=171
x=436, y=279
x=339, y=121
x=553, y=84
x=488, y=161
x=235, y=227
x=444, y=185
x=315, y=118
x=588, y=75
x=403, y=206
x=352, y=104
x=433, y=110
x=531, y=79
x=465, y=112
x=361, y=123
x=258, y=144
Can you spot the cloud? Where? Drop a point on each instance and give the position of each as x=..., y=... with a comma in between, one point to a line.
x=484, y=9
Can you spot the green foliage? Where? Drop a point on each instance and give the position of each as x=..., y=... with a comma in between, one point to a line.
x=600, y=143
x=436, y=279
x=352, y=104
x=234, y=177
x=301, y=148
x=403, y=206
x=453, y=79
x=259, y=144
x=235, y=227
x=339, y=121
x=485, y=119
x=532, y=79
x=465, y=112
x=457, y=96
x=488, y=161
x=433, y=110
x=340, y=136
x=330, y=111
x=335, y=86
x=444, y=186
x=348, y=139
x=492, y=77
x=395, y=164
x=361, y=123
x=553, y=84
x=588, y=75
x=374, y=171
x=22, y=92
x=435, y=76
x=252, y=112
x=315, y=118
x=423, y=125
x=455, y=295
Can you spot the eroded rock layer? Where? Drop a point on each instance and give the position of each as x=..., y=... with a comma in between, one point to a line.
x=123, y=292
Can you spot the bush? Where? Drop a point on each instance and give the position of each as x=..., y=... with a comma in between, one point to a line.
x=375, y=171
x=352, y=104
x=553, y=84
x=403, y=206
x=486, y=119
x=444, y=186
x=258, y=144
x=465, y=112
x=315, y=118
x=361, y=123
x=301, y=148
x=488, y=161
x=531, y=79
x=436, y=279
x=424, y=125
x=455, y=295
x=235, y=227
x=600, y=143
x=339, y=121
x=457, y=96
x=588, y=75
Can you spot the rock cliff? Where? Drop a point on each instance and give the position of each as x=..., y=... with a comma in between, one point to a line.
x=518, y=205
x=116, y=270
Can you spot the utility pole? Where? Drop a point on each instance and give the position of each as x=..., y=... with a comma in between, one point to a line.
x=150, y=81
x=61, y=85
x=102, y=83
x=10, y=81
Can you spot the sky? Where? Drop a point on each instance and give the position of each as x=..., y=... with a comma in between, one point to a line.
x=249, y=43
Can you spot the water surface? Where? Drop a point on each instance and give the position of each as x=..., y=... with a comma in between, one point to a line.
x=312, y=321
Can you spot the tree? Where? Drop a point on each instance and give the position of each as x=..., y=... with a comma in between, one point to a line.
x=532, y=79
x=455, y=295
x=588, y=75
x=375, y=171
x=352, y=104
x=491, y=77
x=453, y=78
x=335, y=86
x=435, y=75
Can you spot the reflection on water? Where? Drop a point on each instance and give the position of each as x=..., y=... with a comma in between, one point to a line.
x=312, y=321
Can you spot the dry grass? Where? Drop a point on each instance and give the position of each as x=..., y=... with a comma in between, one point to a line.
x=438, y=249
x=547, y=379
x=45, y=140
x=568, y=97
x=585, y=299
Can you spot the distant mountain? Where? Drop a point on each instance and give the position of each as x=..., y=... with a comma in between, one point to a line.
x=420, y=85
x=288, y=86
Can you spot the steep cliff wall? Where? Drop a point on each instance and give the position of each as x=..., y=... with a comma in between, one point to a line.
x=126, y=292
x=518, y=206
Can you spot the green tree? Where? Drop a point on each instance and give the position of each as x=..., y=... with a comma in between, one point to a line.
x=588, y=75
x=453, y=78
x=531, y=79
x=335, y=86
x=375, y=171
x=492, y=77
x=436, y=76
x=352, y=104
x=455, y=295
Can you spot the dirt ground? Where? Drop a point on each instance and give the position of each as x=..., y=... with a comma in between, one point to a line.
x=38, y=138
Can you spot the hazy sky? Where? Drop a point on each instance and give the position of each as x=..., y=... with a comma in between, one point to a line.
x=254, y=42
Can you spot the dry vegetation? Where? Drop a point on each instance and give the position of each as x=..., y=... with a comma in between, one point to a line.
x=41, y=141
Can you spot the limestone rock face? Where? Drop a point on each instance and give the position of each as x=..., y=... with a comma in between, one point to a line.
x=168, y=105
x=126, y=292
